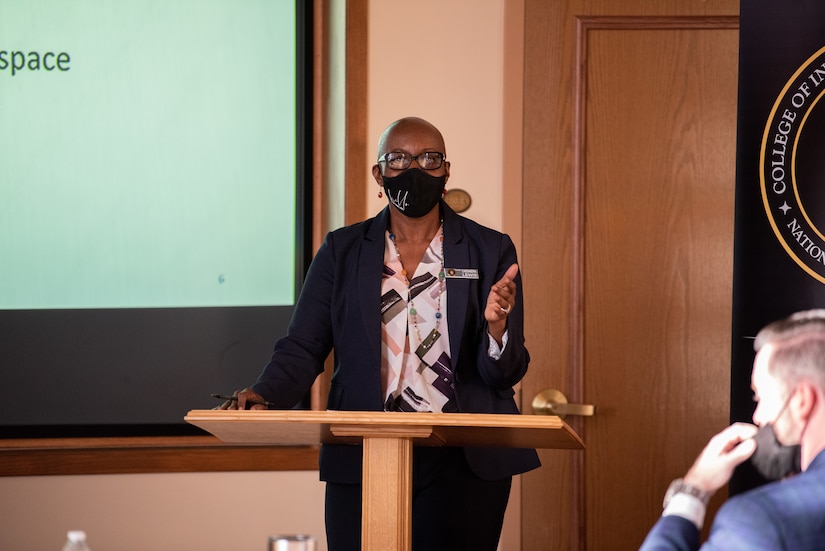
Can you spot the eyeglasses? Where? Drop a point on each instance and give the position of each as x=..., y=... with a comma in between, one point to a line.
x=399, y=160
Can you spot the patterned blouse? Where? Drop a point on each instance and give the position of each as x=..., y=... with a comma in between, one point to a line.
x=416, y=374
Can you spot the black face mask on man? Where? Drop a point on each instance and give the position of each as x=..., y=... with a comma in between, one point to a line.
x=771, y=459
x=414, y=192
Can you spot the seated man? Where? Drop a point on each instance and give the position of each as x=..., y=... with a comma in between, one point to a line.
x=789, y=386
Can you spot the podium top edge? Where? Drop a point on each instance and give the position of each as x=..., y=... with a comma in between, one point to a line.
x=389, y=418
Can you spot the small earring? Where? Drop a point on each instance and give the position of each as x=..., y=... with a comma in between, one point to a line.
x=380, y=194
x=444, y=192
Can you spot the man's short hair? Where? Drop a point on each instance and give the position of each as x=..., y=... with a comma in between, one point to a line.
x=798, y=347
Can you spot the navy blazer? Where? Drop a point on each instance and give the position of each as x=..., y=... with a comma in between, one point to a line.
x=789, y=515
x=339, y=310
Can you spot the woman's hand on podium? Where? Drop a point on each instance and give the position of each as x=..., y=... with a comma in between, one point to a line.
x=244, y=399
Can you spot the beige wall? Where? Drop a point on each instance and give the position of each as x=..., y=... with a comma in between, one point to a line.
x=193, y=511
x=444, y=62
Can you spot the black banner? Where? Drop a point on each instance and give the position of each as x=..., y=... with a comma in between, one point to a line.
x=779, y=242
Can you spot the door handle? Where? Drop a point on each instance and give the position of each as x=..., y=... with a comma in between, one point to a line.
x=553, y=402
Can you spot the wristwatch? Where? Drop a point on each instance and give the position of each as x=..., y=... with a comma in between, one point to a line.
x=679, y=486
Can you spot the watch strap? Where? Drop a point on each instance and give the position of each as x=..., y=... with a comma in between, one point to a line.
x=679, y=486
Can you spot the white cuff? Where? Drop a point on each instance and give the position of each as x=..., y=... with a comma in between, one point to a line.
x=686, y=506
x=494, y=351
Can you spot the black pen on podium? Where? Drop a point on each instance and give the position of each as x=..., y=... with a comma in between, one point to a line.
x=235, y=399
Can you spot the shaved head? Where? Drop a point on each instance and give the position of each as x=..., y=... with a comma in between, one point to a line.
x=410, y=126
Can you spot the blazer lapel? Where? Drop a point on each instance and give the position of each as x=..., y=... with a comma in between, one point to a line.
x=370, y=270
x=456, y=255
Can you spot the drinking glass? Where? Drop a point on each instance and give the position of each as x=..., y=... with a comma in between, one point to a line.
x=293, y=542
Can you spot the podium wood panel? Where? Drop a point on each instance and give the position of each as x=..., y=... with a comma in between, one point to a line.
x=388, y=439
x=386, y=515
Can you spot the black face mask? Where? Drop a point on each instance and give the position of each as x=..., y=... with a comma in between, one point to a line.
x=773, y=460
x=414, y=192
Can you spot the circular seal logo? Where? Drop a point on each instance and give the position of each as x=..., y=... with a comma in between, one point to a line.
x=792, y=167
x=458, y=199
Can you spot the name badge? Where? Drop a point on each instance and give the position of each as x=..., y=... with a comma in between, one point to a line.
x=461, y=273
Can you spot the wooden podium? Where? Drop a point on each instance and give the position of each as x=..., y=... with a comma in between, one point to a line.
x=388, y=438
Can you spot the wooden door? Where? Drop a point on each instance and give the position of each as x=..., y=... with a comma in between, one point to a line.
x=627, y=248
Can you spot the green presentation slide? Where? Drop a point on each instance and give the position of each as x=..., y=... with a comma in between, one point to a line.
x=147, y=153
